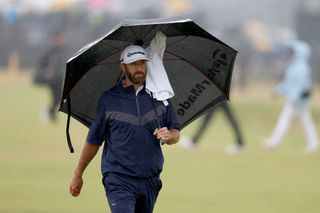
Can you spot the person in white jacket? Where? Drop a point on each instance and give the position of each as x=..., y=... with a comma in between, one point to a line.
x=296, y=86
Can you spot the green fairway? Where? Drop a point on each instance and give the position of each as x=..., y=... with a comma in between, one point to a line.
x=36, y=165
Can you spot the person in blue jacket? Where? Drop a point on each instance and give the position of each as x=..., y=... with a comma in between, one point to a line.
x=127, y=123
x=297, y=88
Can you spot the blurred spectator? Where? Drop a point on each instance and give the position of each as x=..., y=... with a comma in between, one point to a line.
x=191, y=143
x=50, y=73
x=297, y=88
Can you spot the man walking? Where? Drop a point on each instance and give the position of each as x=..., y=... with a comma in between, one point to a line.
x=126, y=122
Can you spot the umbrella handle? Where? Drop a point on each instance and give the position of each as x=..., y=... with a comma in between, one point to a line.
x=162, y=142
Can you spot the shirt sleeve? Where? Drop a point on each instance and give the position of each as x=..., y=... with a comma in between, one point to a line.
x=172, y=120
x=97, y=131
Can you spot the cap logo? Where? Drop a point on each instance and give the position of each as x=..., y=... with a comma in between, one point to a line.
x=134, y=53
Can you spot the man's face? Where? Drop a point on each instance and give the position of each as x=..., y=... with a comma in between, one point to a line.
x=136, y=71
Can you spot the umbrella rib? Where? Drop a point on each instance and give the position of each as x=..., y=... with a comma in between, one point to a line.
x=108, y=56
x=145, y=35
x=177, y=41
x=194, y=66
x=133, y=33
x=120, y=40
x=117, y=48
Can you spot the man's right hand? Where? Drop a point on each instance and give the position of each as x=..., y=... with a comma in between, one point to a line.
x=76, y=185
x=88, y=152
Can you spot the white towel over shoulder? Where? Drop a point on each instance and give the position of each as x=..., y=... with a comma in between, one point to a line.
x=157, y=80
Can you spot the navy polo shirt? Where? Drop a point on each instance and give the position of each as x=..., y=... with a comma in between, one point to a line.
x=126, y=122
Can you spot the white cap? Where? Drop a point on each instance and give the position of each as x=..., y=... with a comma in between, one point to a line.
x=133, y=53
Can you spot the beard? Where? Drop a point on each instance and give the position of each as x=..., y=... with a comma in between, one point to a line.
x=136, y=78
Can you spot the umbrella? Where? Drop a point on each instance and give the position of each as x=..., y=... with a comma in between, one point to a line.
x=199, y=67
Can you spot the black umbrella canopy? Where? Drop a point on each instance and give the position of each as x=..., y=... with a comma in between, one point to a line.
x=199, y=67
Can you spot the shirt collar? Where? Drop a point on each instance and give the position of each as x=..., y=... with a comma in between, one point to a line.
x=131, y=86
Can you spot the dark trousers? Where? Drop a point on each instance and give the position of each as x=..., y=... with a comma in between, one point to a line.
x=127, y=194
x=207, y=117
